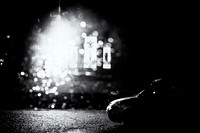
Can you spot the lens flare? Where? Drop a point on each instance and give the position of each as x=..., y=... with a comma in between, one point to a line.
x=57, y=48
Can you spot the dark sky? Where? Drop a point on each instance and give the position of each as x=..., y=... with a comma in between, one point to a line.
x=152, y=32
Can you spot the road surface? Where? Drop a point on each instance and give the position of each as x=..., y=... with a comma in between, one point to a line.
x=56, y=121
x=69, y=121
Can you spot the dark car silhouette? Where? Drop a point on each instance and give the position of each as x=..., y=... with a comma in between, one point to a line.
x=156, y=103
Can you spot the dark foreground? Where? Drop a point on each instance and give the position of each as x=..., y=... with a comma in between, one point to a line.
x=55, y=121
x=64, y=121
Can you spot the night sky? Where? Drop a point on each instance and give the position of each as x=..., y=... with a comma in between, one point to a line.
x=153, y=33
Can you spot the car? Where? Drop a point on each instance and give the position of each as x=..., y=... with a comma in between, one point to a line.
x=155, y=103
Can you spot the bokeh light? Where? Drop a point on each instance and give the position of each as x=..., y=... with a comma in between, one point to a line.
x=65, y=47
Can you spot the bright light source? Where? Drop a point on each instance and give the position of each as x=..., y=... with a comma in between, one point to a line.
x=67, y=46
x=88, y=73
x=56, y=50
x=83, y=24
x=1, y=61
x=110, y=40
x=53, y=105
x=90, y=55
x=81, y=51
x=8, y=36
x=65, y=97
x=100, y=43
x=107, y=56
x=35, y=108
x=39, y=94
x=83, y=34
x=35, y=79
x=22, y=73
x=95, y=33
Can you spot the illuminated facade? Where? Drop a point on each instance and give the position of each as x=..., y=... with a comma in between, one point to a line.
x=90, y=54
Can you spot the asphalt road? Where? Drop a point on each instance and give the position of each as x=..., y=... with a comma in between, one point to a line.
x=56, y=121
x=70, y=121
